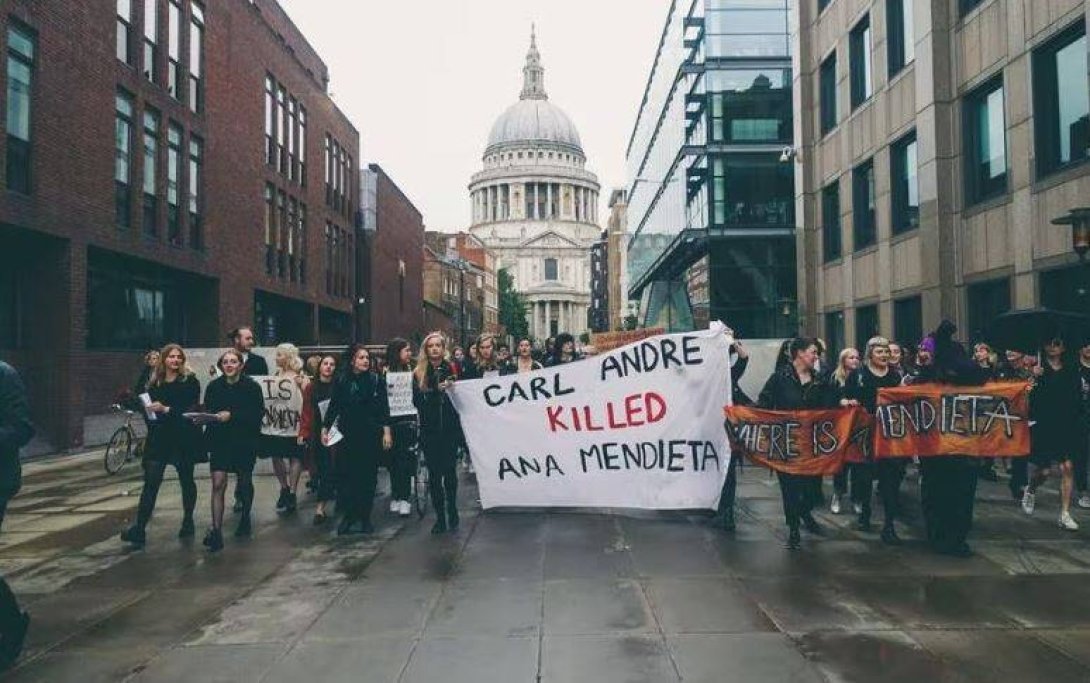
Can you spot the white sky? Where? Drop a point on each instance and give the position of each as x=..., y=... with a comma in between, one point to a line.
x=423, y=81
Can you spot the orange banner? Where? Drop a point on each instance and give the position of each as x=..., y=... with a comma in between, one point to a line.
x=604, y=342
x=990, y=421
x=806, y=442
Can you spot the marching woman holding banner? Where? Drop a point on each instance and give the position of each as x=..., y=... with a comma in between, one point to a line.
x=797, y=386
x=316, y=398
x=523, y=361
x=359, y=408
x=285, y=451
x=847, y=363
x=239, y=407
x=862, y=389
x=172, y=440
x=433, y=376
x=739, y=361
x=401, y=457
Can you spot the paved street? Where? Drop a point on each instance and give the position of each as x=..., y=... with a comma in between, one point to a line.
x=535, y=596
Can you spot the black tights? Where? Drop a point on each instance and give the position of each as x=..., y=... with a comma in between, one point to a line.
x=244, y=489
x=153, y=479
x=440, y=454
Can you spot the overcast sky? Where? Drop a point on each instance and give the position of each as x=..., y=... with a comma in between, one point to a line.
x=424, y=80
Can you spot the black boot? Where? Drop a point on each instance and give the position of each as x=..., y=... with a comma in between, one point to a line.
x=794, y=538
x=345, y=527
x=188, y=529
x=239, y=506
x=245, y=527
x=282, y=501
x=134, y=535
x=12, y=643
x=811, y=525
x=213, y=540
x=292, y=504
x=889, y=535
x=440, y=526
x=452, y=514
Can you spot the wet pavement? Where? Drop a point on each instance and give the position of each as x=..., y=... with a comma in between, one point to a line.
x=536, y=596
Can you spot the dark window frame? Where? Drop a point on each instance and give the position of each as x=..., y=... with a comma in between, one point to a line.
x=864, y=223
x=19, y=157
x=903, y=332
x=1046, y=88
x=828, y=114
x=977, y=188
x=899, y=192
x=899, y=37
x=861, y=62
x=865, y=328
x=832, y=227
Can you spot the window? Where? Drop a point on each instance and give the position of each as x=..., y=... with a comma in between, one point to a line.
x=752, y=190
x=866, y=325
x=830, y=222
x=328, y=157
x=906, y=186
x=196, y=177
x=196, y=58
x=863, y=206
x=270, y=121
x=293, y=136
x=174, y=49
x=827, y=87
x=902, y=39
x=270, y=228
x=124, y=31
x=986, y=300
x=1061, y=97
x=151, y=179
x=123, y=159
x=968, y=5
x=302, y=174
x=822, y=4
x=908, y=320
x=301, y=249
x=281, y=233
x=174, y=173
x=292, y=232
x=20, y=68
x=550, y=269
x=151, y=40
x=859, y=62
x=834, y=334
x=985, y=142
x=282, y=132
x=750, y=105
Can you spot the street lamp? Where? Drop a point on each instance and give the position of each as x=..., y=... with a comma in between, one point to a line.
x=1079, y=220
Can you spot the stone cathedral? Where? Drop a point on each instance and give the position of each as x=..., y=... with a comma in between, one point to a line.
x=535, y=206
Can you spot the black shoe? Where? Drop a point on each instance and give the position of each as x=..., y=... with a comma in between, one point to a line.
x=292, y=504
x=452, y=515
x=889, y=536
x=12, y=643
x=345, y=527
x=366, y=528
x=320, y=519
x=239, y=505
x=954, y=549
x=794, y=539
x=244, y=528
x=214, y=540
x=811, y=525
x=282, y=501
x=440, y=527
x=134, y=535
x=188, y=530
x=863, y=524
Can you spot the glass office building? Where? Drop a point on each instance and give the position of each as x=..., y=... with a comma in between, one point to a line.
x=711, y=192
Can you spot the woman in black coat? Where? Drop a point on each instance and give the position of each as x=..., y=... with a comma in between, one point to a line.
x=439, y=429
x=232, y=440
x=359, y=408
x=172, y=440
x=798, y=386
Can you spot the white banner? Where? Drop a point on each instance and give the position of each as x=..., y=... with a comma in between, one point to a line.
x=638, y=427
x=399, y=392
x=283, y=405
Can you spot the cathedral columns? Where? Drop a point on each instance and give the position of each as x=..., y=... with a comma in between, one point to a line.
x=549, y=201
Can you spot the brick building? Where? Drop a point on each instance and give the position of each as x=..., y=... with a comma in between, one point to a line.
x=390, y=268
x=455, y=289
x=172, y=169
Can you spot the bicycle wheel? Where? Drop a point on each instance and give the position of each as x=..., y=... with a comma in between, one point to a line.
x=117, y=451
x=420, y=488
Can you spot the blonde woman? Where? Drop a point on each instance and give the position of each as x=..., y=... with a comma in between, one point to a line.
x=172, y=440
x=847, y=362
x=433, y=376
x=286, y=451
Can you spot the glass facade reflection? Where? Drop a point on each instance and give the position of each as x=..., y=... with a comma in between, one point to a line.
x=711, y=200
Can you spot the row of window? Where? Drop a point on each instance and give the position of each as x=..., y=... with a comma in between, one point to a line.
x=181, y=178
x=285, y=236
x=901, y=52
x=285, y=132
x=151, y=39
x=339, y=174
x=338, y=259
x=907, y=325
x=20, y=70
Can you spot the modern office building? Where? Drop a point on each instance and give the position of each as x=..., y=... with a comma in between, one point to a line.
x=938, y=142
x=711, y=208
x=194, y=178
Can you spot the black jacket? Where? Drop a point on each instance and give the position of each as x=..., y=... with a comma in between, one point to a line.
x=736, y=371
x=16, y=429
x=784, y=391
x=512, y=367
x=171, y=437
x=360, y=401
x=437, y=414
x=863, y=386
x=255, y=365
x=238, y=436
x=1056, y=399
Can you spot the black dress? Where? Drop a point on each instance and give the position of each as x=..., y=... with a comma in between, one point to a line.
x=172, y=439
x=360, y=408
x=1056, y=406
x=232, y=445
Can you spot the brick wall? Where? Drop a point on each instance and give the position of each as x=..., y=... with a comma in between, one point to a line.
x=396, y=261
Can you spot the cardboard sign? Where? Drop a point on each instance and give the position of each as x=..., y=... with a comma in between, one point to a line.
x=283, y=405
x=399, y=392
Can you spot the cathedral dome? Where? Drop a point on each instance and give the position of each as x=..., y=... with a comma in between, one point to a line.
x=533, y=121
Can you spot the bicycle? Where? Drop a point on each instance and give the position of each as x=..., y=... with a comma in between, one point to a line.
x=124, y=446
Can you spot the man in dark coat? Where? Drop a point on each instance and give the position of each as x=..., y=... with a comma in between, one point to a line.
x=15, y=431
x=243, y=341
